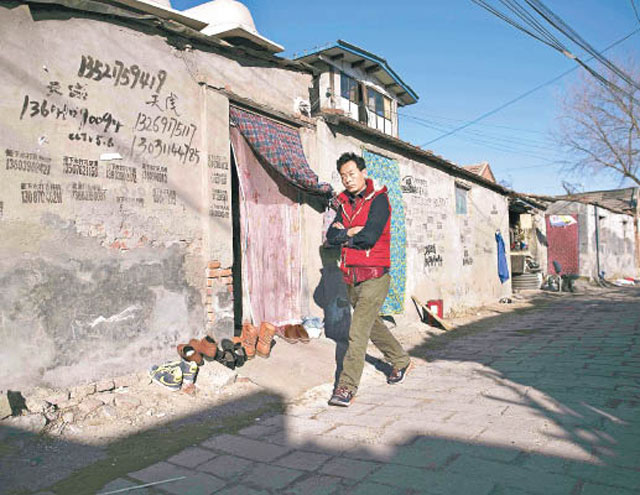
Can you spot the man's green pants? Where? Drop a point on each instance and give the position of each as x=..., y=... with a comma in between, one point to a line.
x=367, y=298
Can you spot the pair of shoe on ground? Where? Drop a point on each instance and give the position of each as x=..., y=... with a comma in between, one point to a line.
x=257, y=341
x=343, y=397
x=230, y=353
x=293, y=334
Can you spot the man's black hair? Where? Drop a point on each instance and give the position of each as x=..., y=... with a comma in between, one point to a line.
x=350, y=157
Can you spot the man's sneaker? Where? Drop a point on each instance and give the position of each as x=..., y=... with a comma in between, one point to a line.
x=398, y=374
x=342, y=396
x=189, y=371
x=169, y=375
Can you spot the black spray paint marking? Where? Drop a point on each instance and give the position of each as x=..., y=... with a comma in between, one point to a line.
x=156, y=148
x=431, y=257
x=27, y=162
x=130, y=76
x=41, y=193
x=466, y=259
x=121, y=172
x=129, y=201
x=220, y=211
x=87, y=192
x=154, y=173
x=79, y=166
x=219, y=162
x=164, y=196
x=168, y=104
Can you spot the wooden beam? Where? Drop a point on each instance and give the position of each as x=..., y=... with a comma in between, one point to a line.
x=358, y=63
x=339, y=56
x=373, y=68
x=389, y=86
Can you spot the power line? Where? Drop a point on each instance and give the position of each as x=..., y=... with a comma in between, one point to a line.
x=635, y=10
x=523, y=95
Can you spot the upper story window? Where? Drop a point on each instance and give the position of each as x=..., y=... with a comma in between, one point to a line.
x=461, y=199
x=348, y=88
x=379, y=103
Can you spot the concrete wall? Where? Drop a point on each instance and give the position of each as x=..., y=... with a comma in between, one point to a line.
x=107, y=264
x=616, y=239
x=449, y=256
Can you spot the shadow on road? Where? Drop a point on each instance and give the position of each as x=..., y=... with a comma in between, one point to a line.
x=550, y=406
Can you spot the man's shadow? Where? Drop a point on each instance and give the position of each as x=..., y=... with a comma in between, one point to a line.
x=331, y=296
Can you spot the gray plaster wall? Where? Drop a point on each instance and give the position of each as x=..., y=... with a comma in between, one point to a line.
x=449, y=256
x=103, y=261
x=615, y=234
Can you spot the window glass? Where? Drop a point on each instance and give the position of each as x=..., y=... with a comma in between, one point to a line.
x=348, y=88
x=461, y=200
x=387, y=108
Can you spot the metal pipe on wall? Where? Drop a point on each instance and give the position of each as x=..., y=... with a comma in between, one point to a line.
x=597, y=219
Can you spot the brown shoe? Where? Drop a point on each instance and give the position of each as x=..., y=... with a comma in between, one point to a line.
x=287, y=333
x=189, y=353
x=206, y=346
x=265, y=337
x=302, y=334
x=249, y=337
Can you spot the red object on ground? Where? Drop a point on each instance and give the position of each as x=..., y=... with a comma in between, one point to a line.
x=435, y=306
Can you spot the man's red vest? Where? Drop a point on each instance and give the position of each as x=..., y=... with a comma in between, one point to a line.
x=355, y=215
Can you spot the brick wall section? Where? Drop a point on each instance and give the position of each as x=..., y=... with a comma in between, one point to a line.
x=216, y=275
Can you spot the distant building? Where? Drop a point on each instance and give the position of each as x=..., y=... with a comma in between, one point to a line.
x=482, y=169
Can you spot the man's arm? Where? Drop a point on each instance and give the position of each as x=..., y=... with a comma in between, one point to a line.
x=378, y=216
x=337, y=234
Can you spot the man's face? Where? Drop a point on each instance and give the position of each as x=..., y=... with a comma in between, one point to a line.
x=353, y=179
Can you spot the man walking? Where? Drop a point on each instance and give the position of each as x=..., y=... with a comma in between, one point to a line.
x=362, y=229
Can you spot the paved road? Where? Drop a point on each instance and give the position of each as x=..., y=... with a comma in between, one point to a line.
x=541, y=401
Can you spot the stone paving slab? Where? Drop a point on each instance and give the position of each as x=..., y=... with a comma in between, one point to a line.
x=542, y=402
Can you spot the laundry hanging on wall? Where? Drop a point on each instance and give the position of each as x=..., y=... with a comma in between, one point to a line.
x=280, y=147
x=503, y=267
x=386, y=172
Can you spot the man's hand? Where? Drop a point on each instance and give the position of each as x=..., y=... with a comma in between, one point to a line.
x=338, y=226
x=353, y=231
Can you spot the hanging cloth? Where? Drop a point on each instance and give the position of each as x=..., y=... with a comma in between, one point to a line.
x=386, y=172
x=503, y=267
x=279, y=146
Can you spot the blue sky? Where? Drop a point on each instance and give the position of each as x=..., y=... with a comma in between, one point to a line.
x=462, y=61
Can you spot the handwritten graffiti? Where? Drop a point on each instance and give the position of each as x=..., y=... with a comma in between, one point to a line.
x=87, y=192
x=27, y=162
x=42, y=108
x=77, y=90
x=467, y=259
x=131, y=76
x=79, y=166
x=164, y=125
x=168, y=104
x=164, y=196
x=431, y=257
x=218, y=161
x=121, y=172
x=153, y=173
x=41, y=193
x=156, y=148
x=97, y=139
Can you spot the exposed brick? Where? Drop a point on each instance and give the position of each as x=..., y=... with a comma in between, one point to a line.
x=226, y=280
x=226, y=273
x=210, y=282
x=214, y=264
x=230, y=288
x=213, y=273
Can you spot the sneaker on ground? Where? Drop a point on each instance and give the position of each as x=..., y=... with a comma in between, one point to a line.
x=189, y=371
x=169, y=375
x=398, y=374
x=342, y=397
